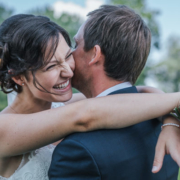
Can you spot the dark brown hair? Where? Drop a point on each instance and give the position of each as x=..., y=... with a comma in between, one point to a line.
x=27, y=43
x=124, y=39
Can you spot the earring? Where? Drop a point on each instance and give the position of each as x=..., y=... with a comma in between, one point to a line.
x=22, y=84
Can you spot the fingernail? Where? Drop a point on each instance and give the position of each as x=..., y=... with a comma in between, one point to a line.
x=155, y=168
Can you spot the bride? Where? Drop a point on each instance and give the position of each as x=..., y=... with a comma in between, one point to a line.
x=36, y=62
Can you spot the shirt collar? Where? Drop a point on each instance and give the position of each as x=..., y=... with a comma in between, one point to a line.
x=115, y=88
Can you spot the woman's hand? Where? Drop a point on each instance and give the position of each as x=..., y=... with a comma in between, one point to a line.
x=168, y=143
x=169, y=138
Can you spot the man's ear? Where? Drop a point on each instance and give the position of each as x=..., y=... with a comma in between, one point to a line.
x=96, y=54
x=18, y=80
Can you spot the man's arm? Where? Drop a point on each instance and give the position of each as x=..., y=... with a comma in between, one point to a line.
x=72, y=161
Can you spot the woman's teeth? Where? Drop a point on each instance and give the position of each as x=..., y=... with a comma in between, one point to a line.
x=62, y=86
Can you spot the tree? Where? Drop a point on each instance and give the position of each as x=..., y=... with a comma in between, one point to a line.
x=167, y=72
x=4, y=14
x=70, y=23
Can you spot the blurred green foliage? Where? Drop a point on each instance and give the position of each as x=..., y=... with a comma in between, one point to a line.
x=75, y=90
x=3, y=100
x=70, y=23
x=167, y=72
x=4, y=14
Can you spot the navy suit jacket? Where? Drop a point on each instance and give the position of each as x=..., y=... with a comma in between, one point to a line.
x=123, y=154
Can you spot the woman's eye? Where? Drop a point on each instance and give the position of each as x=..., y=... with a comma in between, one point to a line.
x=68, y=55
x=50, y=67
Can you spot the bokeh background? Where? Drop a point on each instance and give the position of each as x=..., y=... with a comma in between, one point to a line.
x=162, y=69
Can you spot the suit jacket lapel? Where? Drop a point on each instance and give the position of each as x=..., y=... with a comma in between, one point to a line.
x=125, y=90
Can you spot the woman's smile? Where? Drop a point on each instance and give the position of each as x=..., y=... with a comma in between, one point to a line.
x=63, y=87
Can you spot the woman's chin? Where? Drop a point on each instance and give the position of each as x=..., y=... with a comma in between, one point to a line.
x=63, y=98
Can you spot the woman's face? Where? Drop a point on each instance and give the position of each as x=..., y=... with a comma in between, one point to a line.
x=55, y=77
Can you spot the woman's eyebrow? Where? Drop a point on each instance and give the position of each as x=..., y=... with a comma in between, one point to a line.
x=53, y=61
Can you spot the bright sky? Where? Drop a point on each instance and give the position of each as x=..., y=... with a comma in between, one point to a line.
x=169, y=15
x=168, y=21
x=168, y=18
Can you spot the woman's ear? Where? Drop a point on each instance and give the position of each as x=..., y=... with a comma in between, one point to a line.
x=18, y=80
x=96, y=55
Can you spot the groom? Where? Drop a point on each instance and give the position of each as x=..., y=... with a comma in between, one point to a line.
x=111, y=50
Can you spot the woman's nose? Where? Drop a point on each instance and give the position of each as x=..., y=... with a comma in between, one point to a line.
x=67, y=71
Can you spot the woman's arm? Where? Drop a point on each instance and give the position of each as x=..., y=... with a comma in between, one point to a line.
x=149, y=89
x=22, y=133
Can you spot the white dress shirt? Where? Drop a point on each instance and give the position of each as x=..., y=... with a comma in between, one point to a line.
x=115, y=88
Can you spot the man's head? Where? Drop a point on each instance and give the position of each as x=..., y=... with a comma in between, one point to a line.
x=123, y=38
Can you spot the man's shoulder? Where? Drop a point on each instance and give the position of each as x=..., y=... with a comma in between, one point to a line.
x=131, y=89
x=88, y=137
x=94, y=137
x=89, y=140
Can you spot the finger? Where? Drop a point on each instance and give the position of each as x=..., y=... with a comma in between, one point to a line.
x=175, y=154
x=159, y=156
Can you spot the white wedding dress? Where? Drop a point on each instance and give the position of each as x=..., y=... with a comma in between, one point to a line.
x=35, y=165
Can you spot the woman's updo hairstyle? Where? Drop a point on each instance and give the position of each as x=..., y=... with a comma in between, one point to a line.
x=27, y=43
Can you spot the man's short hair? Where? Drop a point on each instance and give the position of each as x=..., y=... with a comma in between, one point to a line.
x=124, y=39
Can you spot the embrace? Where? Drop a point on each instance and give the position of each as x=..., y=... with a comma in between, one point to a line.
x=113, y=131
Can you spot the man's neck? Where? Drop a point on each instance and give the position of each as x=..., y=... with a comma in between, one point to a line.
x=98, y=86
